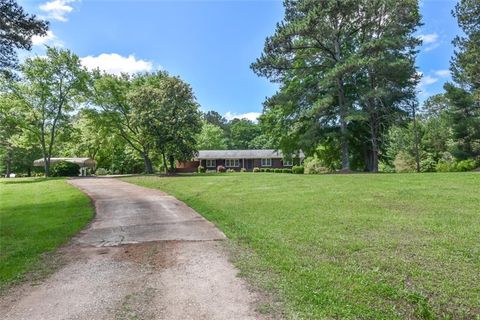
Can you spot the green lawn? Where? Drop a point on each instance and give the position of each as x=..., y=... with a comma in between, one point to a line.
x=36, y=216
x=349, y=246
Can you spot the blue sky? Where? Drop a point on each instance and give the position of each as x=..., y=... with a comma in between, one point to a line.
x=209, y=44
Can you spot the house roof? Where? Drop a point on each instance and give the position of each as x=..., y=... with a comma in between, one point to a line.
x=242, y=154
x=82, y=162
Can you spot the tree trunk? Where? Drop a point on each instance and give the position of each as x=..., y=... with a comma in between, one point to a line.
x=148, y=163
x=343, y=126
x=9, y=163
x=47, y=167
x=374, y=141
x=415, y=137
x=165, y=164
x=171, y=159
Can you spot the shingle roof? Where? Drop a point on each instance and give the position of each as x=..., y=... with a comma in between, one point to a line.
x=241, y=154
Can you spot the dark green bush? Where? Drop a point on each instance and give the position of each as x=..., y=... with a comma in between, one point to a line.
x=277, y=170
x=65, y=169
x=201, y=169
x=268, y=170
x=298, y=169
x=262, y=170
x=287, y=170
x=256, y=169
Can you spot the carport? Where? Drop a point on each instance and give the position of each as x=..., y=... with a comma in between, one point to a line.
x=84, y=163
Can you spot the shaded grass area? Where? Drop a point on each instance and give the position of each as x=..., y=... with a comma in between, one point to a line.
x=350, y=246
x=37, y=215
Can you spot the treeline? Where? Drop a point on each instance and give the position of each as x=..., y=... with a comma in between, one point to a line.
x=348, y=87
x=54, y=107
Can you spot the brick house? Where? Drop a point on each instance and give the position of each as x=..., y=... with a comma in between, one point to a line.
x=238, y=159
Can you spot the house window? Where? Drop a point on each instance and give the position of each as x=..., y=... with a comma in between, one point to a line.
x=211, y=163
x=266, y=162
x=232, y=163
x=287, y=163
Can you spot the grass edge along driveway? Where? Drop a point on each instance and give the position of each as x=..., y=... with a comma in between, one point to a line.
x=37, y=216
x=364, y=246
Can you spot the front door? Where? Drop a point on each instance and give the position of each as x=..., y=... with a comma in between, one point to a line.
x=249, y=164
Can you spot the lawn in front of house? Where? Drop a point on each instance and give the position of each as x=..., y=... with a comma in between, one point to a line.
x=349, y=246
x=36, y=216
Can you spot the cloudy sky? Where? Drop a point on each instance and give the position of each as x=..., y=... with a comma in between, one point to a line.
x=210, y=44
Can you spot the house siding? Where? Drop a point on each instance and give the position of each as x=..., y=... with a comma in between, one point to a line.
x=192, y=166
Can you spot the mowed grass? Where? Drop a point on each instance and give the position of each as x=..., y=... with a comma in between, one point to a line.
x=359, y=246
x=36, y=216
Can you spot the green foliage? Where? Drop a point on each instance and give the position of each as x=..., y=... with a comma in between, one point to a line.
x=101, y=172
x=211, y=137
x=404, y=162
x=329, y=56
x=221, y=169
x=243, y=132
x=277, y=170
x=428, y=163
x=298, y=169
x=466, y=165
x=65, y=169
x=285, y=170
x=201, y=169
x=17, y=29
x=49, y=90
x=243, y=170
x=230, y=170
x=257, y=169
x=268, y=170
x=313, y=165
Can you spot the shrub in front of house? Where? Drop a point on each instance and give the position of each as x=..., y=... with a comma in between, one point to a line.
x=201, y=169
x=277, y=170
x=257, y=169
x=298, y=169
x=268, y=170
x=314, y=166
x=65, y=169
x=221, y=169
x=243, y=170
x=230, y=171
x=287, y=170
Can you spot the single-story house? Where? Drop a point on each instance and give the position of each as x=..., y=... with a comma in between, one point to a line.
x=84, y=163
x=238, y=159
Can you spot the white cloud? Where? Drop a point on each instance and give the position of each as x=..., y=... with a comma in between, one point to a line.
x=427, y=80
x=253, y=116
x=431, y=41
x=49, y=38
x=57, y=9
x=429, y=38
x=442, y=73
x=116, y=64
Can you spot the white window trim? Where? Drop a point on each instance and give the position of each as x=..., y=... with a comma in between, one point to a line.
x=264, y=162
x=212, y=161
x=287, y=163
x=236, y=163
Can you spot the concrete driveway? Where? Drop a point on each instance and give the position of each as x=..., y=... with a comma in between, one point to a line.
x=146, y=255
